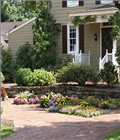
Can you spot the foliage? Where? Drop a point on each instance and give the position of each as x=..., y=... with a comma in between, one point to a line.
x=109, y=74
x=23, y=56
x=44, y=101
x=76, y=20
x=17, y=11
x=114, y=135
x=63, y=60
x=2, y=78
x=118, y=54
x=40, y=77
x=6, y=131
x=18, y=100
x=51, y=95
x=3, y=93
x=21, y=74
x=1, y=110
x=44, y=39
x=115, y=20
x=76, y=72
x=6, y=66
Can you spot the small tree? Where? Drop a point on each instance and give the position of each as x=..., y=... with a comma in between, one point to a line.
x=109, y=74
x=43, y=38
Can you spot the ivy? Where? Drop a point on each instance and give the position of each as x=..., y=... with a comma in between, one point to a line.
x=77, y=20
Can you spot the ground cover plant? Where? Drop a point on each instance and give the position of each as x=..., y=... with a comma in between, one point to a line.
x=114, y=135
x=6, y=131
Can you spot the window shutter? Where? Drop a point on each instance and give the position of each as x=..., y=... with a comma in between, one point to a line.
x=81, y=3
x=64, y=4
x=97, y=2
x=64, y=39
x=81, y=38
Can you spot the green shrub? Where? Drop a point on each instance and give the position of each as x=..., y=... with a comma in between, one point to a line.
x=1, y=110
x=76, y=72
x=6, y=65
x=118, y=54
x=2, y=78
x=109, y=74
x=40, y=77
x=21, y=74
x=23, y=56
x=63, y=60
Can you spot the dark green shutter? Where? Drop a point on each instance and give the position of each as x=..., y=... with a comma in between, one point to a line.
x=81, y=38
x=64, y=39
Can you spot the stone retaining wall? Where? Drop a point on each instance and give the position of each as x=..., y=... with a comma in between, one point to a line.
x=70, y=90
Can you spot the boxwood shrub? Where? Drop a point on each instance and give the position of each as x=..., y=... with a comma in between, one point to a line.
x=20, y=76
x=78, y=72
x=40, y=77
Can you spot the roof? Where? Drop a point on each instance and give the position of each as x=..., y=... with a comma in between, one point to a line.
x=18, y=27
x=104, y=8
x=6, y=26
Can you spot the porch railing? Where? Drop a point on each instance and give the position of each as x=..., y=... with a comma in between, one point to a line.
x=82, y=58
x=108, y=57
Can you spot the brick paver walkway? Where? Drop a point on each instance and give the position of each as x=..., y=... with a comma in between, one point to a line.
x=33, y=123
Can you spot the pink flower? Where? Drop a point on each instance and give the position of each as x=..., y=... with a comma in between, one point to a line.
x=55, y=105
x=25, y=101
x=37, y=99
x=99, y=105
x=57, y=99
x=32, y=100
x=53, y=99
x=72, y=98
x=63, y=98
x=78, y=104
x=15, y=99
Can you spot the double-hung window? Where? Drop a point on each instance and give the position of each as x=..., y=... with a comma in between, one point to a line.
x=72, y=3
x=71, y=39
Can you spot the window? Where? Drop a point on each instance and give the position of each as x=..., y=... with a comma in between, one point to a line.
x=106, y=2
x=72, y=3
x=106, y=24
x=72, y=39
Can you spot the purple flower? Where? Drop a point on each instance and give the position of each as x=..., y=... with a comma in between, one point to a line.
x=25, y=101
x=15, y=99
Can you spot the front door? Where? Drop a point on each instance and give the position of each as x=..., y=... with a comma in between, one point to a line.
x=107, y=42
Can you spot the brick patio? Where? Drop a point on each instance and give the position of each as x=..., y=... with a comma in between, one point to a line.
x=33, y=123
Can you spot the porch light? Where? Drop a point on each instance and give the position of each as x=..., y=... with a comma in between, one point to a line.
x=95, y=37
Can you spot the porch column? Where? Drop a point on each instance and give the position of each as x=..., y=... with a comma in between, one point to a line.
x=114, y=51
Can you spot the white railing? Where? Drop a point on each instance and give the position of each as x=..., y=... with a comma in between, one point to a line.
x=82, y=58
x=108, y=57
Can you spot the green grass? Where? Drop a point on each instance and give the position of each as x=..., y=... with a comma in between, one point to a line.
x=6, y=131
x=114, y=135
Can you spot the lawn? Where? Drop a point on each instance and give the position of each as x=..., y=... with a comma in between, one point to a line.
x=114, y=135
x=6, y=131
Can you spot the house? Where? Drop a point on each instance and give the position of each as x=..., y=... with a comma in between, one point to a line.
x=87, y=42
x=5, y=27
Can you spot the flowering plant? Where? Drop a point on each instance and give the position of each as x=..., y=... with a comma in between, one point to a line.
x=44, y=102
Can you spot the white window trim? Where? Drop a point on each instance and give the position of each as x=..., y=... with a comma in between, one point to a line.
x=70, y=4
x=106, y=2
x=77, y=40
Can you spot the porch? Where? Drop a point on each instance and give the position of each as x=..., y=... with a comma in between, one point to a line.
x=96, y=46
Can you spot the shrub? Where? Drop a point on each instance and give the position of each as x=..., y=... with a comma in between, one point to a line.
x=40, y=77
x=118, y=54
x=2, y=78
x=76, y=72
x=63, y=60
x=1, y=110
x=109, y=74
x=21, y=74
x=6, y=65
x=3, y=93
x=23, y=56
